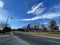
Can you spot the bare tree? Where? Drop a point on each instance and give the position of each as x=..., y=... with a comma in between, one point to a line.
x=43, y=27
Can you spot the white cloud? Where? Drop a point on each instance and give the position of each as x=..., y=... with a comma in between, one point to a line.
x=44, y=16
x=36, y=9
x=1, y=4
x=56, y=6
x=45, y=23
x=39, y=11
x=52, y=13
x=3, y=14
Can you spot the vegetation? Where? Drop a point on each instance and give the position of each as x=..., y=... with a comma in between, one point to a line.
x=32, y=27
x=4, y=28
x=41, y=27
x=53, y=26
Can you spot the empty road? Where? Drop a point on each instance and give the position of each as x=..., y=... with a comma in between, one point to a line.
x=35, y=40
x=24, y=39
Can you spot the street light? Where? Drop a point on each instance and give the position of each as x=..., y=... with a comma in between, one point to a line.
x=6, y=23
x=7, y=20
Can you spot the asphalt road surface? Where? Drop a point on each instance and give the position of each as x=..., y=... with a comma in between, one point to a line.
x=35, y=40
x=24, y=39
x=11, y=40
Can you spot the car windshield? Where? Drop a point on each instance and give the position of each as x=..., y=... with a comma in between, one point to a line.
x=29, y=22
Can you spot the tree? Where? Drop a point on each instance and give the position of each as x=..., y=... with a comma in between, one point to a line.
x=53, y=26
x=28, y=27
x=35, y=27
x=43, y=27
x=7, y=29
x=4, y=27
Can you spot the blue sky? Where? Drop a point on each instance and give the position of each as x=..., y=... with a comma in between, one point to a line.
x=29, y=11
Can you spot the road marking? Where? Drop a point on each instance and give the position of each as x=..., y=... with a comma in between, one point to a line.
x=53, y=41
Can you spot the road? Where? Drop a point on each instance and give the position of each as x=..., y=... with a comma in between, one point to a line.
x=11, y=40
x=24, y=39
x=35, y=40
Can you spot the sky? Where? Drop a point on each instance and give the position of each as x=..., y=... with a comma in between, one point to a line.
x=23, y=12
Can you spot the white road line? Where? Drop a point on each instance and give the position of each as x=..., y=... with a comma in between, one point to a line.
x=53, y=41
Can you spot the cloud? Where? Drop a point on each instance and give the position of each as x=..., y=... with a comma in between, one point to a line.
x=1, y=4
x=44, y=16
x=36, y=9
x=39, y=11
x=3, y=14
x=45, y=23
x=56, y=7
x=53, y=12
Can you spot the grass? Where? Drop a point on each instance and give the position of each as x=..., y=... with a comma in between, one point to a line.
x=1, y=34
x=7, y=33
x=51, y=34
